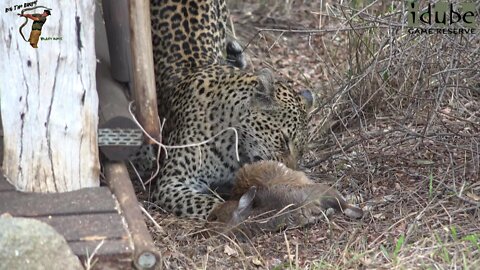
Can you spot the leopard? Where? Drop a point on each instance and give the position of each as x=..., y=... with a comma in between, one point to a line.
x=217, y=115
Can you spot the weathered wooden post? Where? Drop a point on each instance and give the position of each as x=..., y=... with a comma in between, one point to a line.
x=48, y=97
x=142, y=64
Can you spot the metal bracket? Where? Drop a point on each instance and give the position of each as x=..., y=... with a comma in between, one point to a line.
x=119, y=144
x=120, y=137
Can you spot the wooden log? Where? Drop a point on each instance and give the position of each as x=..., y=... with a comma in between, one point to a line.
x=49, y=103
x=145, y=253
x=142, y=64
x=115, y=13
x=119, y=136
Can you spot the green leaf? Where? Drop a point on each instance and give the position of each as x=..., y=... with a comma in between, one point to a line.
x=398, y=246
x=453, y=232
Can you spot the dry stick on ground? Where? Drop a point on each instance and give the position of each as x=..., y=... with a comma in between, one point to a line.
x=456, y=133
x=414, y=224
x=432, y=137
x=364, y=72
x=369, y=69
x=251, y=244
x=287, y=244
x=328, y=155
x=317, y=31
x=338, y=77
x=337, y=95
x=309, y=31
x=461, y=119
x=459, y=195
x=349, y=85
x=438, y=101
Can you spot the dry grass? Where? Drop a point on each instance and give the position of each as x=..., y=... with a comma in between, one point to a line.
x=396, y=126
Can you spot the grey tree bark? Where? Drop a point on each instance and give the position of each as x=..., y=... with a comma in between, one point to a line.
x=49, y=103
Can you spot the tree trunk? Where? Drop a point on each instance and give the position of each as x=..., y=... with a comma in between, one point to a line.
x=48, y=97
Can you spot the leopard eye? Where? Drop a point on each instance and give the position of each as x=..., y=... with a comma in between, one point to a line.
x=212, y=218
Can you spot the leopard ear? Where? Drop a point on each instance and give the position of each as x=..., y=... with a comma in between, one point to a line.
x=265, y=93
x=307, y=98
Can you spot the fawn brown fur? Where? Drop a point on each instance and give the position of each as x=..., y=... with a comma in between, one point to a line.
x=264, y=188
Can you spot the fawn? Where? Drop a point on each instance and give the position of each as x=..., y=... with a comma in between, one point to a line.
x=268, y=196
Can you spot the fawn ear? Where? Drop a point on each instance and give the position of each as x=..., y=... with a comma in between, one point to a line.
x=245, y=203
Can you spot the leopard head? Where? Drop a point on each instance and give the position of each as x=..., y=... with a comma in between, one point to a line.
x=275, y=127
